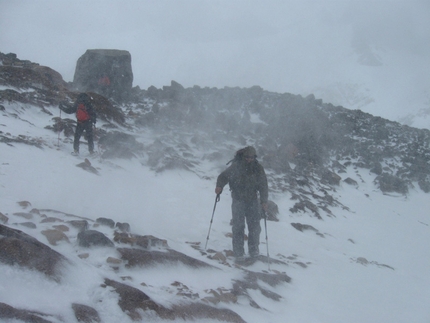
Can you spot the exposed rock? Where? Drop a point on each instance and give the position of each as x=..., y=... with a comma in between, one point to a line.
x=54, y=236
x=81, y=225
x=61, y=227
x=123, y=227
x=133, y=301
x=202, y=311
x=331, y=178
x=363, y=261
x=50, y=220
x=30, y=225
x=272, y=211
x=93, y=238
x=18, y=248
x=113, y=261
x=390, y=183
x=147, y=241
x=350, y=181
x=10, y=313
x=141, y=257
x=24, y=204
x=107, y=222
x=86, y=314
x=86, y=165
x=25, y=215
x=105, y=71
x=3, y=218
x=306, y=204
x=303, y=227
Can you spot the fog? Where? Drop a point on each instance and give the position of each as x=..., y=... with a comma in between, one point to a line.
x=371, y=55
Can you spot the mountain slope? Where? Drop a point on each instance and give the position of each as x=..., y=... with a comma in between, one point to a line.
x=353, y=252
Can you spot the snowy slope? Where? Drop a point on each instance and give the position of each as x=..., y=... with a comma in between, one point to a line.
x=367, y=263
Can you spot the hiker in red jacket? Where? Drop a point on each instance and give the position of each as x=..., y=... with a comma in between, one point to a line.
x=85, y=117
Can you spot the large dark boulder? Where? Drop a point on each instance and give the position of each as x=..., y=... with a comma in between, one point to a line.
x=18, y=248
x=105, y=71
x=90, y=238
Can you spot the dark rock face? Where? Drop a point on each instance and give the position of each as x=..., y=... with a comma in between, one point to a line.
x=11, y=313
x=134, y=302
x=105, y=71
x=107, y=222
x=91, y=238
x=86, y=314
x=140, y=257
x=18, y=248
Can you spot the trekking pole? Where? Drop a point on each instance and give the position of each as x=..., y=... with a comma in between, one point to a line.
x=96, y=137
x=267, y=240
x=59, y=131
x=217, y=198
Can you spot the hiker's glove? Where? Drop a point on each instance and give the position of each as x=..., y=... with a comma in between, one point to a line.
x=218, y=190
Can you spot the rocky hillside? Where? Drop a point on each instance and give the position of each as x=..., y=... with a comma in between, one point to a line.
x=303, y=143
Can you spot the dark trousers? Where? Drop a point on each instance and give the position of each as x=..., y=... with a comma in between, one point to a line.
x=246, y=211
x=86, y=126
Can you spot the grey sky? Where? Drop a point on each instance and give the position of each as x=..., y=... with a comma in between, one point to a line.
x=295, y=46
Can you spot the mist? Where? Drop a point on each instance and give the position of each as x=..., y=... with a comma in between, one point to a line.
x=368, y=55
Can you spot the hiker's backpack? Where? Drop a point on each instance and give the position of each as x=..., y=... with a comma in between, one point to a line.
x=82, y=113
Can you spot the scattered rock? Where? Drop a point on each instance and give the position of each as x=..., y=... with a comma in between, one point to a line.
x=114, y=261
x=107, y=222
x=272, y=211
x=3, y=218
x=146, y=242
x=61, y=227
x=30, y=225
x=81, y=225
x=123, y=227
x=24, y=204
x=140, y=257
x=303, y=227
x=54, y=236
x=86, y=165
x=350, y=181
x=24, y=215
x=134, y=301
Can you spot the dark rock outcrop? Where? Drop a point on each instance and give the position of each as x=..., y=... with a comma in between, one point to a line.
x=8, y=312
x=86, y=314
x=18, y=248
x=133, y=301
x=105, y=71
x=142, y=257
x=93, y=238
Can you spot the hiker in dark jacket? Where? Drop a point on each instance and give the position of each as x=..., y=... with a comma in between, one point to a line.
x=85, y=117
x=246, y=177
